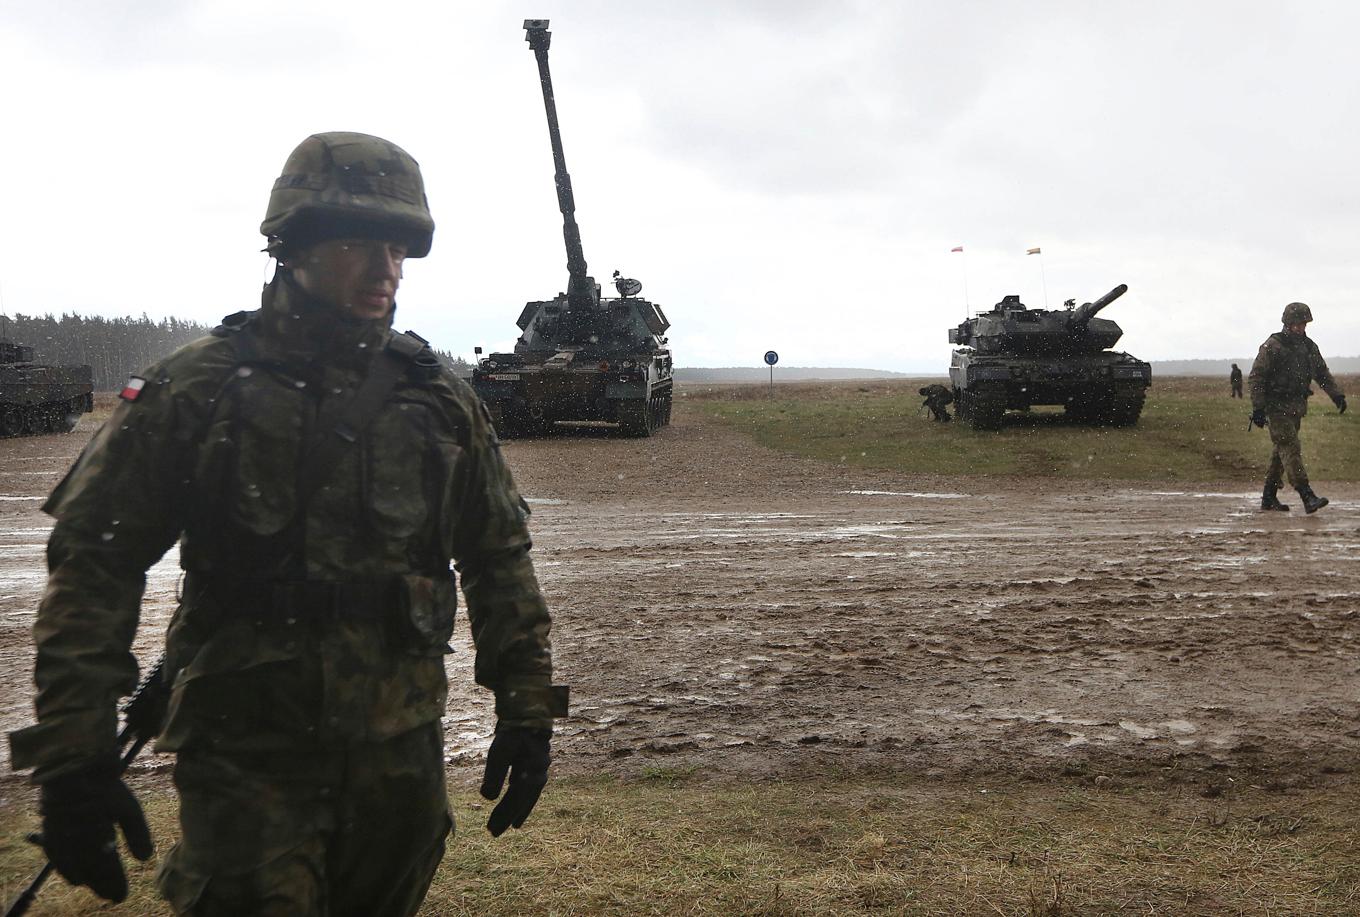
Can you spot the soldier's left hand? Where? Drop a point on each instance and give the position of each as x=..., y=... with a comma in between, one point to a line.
x=1340, y=402
x=524, y=753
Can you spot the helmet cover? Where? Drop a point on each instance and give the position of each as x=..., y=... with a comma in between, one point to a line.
x=347, y=185
x=1296, y=312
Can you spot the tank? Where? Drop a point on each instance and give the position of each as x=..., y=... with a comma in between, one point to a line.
x=580, y=357
x=35, y=398
x=1013, y=358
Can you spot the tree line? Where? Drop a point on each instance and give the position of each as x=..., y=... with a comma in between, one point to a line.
x=115, y=348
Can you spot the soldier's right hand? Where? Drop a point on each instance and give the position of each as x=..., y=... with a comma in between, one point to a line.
x=1258, y=417
x=79, y=811
x=1340, y=402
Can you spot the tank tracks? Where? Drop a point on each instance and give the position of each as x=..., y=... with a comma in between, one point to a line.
x=643, y=418
x=982, y=410
x=637, y=419
x=1110, y=410
x=37, y=419
x=985, y=410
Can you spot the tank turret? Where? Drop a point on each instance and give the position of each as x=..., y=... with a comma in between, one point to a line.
x=1012, y=328
x=580, y=357
x=1015, y=358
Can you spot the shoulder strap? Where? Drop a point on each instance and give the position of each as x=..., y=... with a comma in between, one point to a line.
x=389, y=366
x=236, y=329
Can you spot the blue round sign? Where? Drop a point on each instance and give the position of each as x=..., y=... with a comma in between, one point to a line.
x=771, y=357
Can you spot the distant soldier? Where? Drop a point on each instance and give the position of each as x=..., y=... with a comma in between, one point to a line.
x=937, y=396
x=1235, y=380
x=1287, y=362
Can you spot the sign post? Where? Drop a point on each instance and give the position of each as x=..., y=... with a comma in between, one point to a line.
x=771, y=358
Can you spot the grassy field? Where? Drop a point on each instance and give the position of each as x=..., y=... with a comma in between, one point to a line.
x=665, y=843
x=1190, y=431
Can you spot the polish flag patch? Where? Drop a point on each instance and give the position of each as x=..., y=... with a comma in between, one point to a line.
x=133, y=388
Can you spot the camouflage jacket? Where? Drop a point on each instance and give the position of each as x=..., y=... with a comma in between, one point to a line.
x=309, y=615
x=940, y=394
x=1285, y=367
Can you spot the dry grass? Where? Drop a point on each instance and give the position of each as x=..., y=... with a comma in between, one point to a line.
x=1189, y=431
x=670, y=844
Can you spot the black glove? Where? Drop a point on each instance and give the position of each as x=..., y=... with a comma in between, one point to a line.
x=79, y=811
x=1258, y=417
x=524, y=753
x=1340, y=402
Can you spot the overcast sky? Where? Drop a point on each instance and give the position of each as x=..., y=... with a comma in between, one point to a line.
x=787, y=175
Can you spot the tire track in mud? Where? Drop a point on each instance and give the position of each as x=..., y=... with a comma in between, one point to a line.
x=795, y=624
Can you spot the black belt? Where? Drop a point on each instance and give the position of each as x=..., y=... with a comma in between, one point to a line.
x=310, y=598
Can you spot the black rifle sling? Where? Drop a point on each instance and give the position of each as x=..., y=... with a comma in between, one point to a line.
x=387, y=369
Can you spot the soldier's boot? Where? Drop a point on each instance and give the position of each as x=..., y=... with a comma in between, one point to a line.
x=1311, y=501
x=1270, y=501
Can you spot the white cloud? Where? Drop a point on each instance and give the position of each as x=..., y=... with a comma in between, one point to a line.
x=778, y=175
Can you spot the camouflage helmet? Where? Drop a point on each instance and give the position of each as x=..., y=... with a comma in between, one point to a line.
x=1296, y=312
x=341, y=184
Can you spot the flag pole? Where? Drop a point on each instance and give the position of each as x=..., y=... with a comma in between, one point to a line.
x=1043, y=276
x=966, y=309
x=967, y=306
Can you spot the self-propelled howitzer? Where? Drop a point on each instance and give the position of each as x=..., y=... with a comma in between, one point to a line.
x=1013, y=357
x=580, y=356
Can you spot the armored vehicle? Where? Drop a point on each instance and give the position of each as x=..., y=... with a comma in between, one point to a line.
x=35, y=398
x=1014, y=357
x=579, y=357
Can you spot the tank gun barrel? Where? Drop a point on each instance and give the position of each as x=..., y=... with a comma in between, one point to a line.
x=582, y=293
x=1085, y=312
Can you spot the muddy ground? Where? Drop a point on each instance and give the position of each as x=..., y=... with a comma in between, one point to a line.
x=727, y=609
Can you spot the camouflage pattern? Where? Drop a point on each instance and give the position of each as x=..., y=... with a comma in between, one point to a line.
x=345, y=183
x=1279, y=384
x=311, y=629
x=1286, y=458
x=1296, y=312
x=315, y=631
x=1285, y=366
x=261, y=830
x=1235, y=381
x=937, y=397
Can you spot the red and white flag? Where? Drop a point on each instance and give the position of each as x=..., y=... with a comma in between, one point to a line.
x=132, y=388
x=957, y=248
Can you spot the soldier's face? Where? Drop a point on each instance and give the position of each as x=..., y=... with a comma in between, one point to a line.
x=1297, y=328
x=357, y=276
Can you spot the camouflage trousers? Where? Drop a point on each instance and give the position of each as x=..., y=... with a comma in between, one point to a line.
x=354, y=831
x=1287, y=457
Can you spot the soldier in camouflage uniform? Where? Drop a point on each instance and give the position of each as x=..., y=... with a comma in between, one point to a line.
x=937, y=397
x=1235, y=381
x=306, y=658
x=1286, y=365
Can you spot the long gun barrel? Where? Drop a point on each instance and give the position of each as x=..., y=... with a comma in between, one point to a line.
x=142, y=716
x=1083, y=313
x=582, y=292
